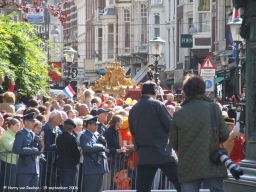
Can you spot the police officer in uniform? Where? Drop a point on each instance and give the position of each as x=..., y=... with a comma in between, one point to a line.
x=95, y=159
x=27, y=149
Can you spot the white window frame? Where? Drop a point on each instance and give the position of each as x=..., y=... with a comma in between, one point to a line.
x=203, y=24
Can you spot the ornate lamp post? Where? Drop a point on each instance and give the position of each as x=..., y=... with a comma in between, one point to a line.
x=235, y=31
x=69, y=54
x=224, y=62
x=192, y=31
x=156, y=45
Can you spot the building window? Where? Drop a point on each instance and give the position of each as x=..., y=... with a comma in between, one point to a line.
x=204, y=5
x=111, y=41
x=190, y=22
x=204, y=16
x=180, y=26
x=100, y=44
x=127, y=34
x=126, y=15
x=127, y=28
x=157, y=19
x=157, y=23
x=157, y=32
x=143, y=10
x=204, y=22
x=144, y=24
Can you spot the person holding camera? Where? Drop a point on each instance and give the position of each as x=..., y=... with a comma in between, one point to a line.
x=28, y=151
x=95, y=159
x=192, y=136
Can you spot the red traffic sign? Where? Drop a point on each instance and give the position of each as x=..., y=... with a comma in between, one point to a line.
x=208, y=63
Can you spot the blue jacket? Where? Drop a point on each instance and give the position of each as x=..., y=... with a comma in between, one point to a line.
x=50, y=136
x=27, y=163
x=95, y=160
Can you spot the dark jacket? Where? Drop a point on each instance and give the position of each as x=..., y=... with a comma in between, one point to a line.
x=101, y=128
x=68, y=152
x=192, y=136
x=50, y=136
x=150, y=124
x=111, y=136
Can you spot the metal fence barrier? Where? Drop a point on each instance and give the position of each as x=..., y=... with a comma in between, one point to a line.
x=122, y=174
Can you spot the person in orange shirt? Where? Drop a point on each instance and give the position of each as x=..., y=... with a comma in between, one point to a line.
x=126, y=140
x=234, y=144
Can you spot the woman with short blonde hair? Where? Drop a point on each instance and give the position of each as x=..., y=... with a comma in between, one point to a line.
x=8, y=102
x=9, y=97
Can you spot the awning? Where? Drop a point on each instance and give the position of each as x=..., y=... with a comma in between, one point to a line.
x=219, y=79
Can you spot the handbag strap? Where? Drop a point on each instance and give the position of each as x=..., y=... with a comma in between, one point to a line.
x=214, y=125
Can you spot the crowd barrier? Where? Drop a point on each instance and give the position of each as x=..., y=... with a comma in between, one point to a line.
x=121, y=176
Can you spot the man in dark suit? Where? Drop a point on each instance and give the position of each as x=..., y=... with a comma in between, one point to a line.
x=95, y=160
x=150, y=124
x=51, y=131
x=28, y=162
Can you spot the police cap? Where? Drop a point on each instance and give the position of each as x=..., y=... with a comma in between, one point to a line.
x=93, y=119
x=30, y=116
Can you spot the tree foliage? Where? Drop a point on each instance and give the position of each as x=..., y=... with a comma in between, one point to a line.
x=22, y=57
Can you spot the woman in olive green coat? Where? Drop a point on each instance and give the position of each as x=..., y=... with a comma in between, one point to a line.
x=192, y=136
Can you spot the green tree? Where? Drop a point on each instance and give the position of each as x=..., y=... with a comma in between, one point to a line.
x=22, y=57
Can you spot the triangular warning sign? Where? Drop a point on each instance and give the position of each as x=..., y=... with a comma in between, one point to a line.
x=208, y=63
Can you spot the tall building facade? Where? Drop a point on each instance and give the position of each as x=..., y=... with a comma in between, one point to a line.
x=207, y=20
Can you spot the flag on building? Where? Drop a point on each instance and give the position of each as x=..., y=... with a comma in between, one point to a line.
x=68, y=91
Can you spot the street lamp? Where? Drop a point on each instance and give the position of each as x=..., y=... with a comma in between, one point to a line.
x=192, y=31
x=224, y=62
x=69, y=54
x=156, y=45
x=235, y=31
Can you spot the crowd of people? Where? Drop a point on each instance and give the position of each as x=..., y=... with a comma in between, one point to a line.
x=58, y=142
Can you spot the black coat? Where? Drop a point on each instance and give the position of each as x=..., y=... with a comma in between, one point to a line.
x=111, y=136
x=68, y=152
x=150, y=124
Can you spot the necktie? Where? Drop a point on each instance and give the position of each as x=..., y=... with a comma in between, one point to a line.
x=31, y=135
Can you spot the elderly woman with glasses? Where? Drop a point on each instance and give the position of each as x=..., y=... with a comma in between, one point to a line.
x=79, y=126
